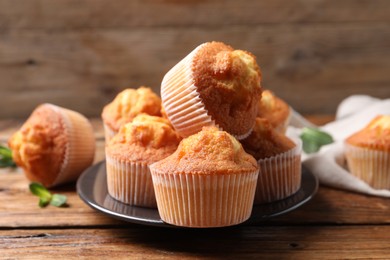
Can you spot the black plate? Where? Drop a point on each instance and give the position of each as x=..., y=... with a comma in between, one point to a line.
x=92, y=189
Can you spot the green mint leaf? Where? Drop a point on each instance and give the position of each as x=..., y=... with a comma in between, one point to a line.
x=45, y=197
x=6, y=157
x=6, y=163
x=39, y=190
x=58, y=200
x=43, y=202
x=313, y=139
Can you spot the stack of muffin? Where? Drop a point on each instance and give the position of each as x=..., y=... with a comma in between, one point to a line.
x=209, y=149
x=206, y=152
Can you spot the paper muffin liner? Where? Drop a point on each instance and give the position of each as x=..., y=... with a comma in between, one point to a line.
x=371, y=166
x=204, y=200
x=130, y=182
x=181, y=101
x=108, y=132
x=280, y=175
x=80, y=149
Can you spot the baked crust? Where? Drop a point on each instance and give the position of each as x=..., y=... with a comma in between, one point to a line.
x=265, y=141
x=376, y=135
x=128, y=104
x=40, y=145
x=274, y=109
x=210, y=151
x=145, y=139
x=228, y=82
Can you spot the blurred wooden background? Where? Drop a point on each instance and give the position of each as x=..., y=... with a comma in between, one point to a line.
x=79, y=54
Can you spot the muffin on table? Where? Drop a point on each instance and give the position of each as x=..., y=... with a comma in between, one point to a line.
x=368, y=153
x=214, y=85
x=54, y=145
x=275, y=110
x=127, y=105
x=143, y=141
x=209, y=181
x=279, y=159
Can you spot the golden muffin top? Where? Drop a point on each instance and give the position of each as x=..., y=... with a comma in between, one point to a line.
x=228, y=82
x=265, y=141
x=273, y=108
x=376, y=135
x=147, y=139
x=128, y=104
x=210, y=151
x=39, y=146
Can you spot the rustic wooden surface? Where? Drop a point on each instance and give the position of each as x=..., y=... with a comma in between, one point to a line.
x=333, y=225
x=80, y=54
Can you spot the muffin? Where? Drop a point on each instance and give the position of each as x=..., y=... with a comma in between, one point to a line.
x=54, y=145
x=209, y=181
x=279, y=159
x=127, y=105
x=368, y=153
x=143, y=141
x=275, y=110
x=214, y=85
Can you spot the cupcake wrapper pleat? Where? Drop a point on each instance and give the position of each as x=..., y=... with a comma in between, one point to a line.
x=181, y=100
x=280, y=175
x=200, y=200
x=373, y=167
x=182, y=103
x=80, y=150
x=130, y=182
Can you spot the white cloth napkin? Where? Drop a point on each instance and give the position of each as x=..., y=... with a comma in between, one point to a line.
x=328, y=164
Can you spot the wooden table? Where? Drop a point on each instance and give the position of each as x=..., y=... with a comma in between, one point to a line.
x=334, y=225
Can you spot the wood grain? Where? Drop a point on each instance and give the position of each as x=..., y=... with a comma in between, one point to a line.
x=82, y=56
x=73, y=14
x=265, y=242
x=327, y=207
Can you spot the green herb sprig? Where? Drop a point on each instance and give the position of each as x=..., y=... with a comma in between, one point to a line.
x=6, y=157
x=313, y=139
x=45, y=196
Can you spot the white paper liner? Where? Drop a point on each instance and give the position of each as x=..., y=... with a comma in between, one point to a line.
x=204, y=200
x=108, y=133
x=181, y=101
x=371, y=166
x=280, y=175
x=80, y=149
x=130, y=182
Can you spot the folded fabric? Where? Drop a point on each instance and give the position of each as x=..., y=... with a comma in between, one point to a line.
x=328, y=164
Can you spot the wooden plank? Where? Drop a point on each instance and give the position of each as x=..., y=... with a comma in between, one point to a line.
x=72, y=14
x=332, y=206
x=266, y=242
x=17, y=204
x=84, y=70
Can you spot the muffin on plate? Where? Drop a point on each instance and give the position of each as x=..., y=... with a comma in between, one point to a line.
x=275, y=110
x=368, y=153
x=279, y=159
x=143, y=141
x=209, y=181
x=214, y=85
x=127, y=105
x=54, y=145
